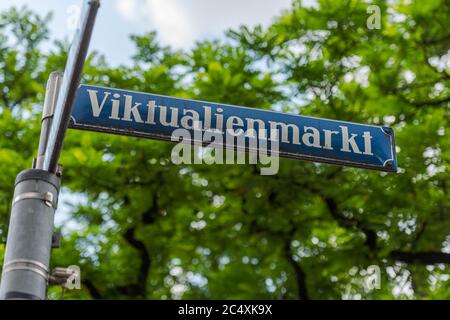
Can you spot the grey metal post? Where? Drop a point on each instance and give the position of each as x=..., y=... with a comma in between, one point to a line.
x=28, y=247
x=69, y=85
x=25, y=270
x=51, y=95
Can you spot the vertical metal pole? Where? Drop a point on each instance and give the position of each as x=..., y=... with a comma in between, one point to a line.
x=25, y=270
x=51, y=95
x=28, y=247
x=69, y=85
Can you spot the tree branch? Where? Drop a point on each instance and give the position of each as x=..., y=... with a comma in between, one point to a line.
x=349, y=223
x=92, y=289
x=138, y=289
x=436, y=102
x=300, y=275
x=422, y=257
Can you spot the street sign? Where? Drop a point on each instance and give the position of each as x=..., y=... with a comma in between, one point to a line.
x=157, y=117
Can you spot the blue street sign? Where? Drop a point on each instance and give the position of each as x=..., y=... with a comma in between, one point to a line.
x=157, y=117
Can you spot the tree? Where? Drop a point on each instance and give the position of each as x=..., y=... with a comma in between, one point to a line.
x=147, y=228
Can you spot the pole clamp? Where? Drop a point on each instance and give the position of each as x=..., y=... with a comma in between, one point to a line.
x=51, y=96
x=28, y=265
x=47, y=198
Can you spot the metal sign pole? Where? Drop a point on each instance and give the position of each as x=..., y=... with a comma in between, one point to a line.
x=25, y=273
x=25, y=269
x=69, y=86
x=51, y=96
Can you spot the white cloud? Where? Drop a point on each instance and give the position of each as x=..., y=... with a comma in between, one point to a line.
x=168, y=17
x=181, y=22
x=172, y=20
x=127, y=8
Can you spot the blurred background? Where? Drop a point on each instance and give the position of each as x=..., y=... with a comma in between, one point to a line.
x=140, y=227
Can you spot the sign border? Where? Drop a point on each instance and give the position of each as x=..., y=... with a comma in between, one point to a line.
x=390, y=165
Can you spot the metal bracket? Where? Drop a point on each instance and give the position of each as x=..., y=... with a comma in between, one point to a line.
x=387, y=130
x=34, y=163
x=29, y=265
x=59, y=170
x=51, y=96
x=46, y=197
x=56, y=240
x=65, y=277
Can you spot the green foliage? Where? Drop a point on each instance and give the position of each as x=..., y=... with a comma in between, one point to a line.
x=144, y=228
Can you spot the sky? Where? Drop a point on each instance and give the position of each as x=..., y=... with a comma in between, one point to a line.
x=179, y=23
